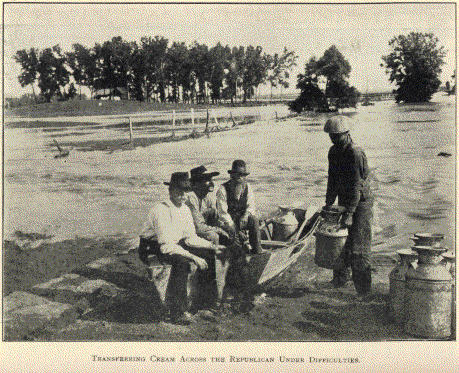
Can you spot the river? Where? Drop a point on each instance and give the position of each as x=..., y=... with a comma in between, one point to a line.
x=100, y=193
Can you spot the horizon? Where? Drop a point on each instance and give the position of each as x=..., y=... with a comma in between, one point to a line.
x=360, y=31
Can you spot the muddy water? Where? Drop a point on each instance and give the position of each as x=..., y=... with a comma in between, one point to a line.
x=102, y=193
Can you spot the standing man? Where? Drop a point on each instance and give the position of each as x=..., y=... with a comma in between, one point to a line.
x=236, y=207
x=169, y=233
x=348, y=180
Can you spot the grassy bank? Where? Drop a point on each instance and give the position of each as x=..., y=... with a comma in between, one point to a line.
x=107, y=107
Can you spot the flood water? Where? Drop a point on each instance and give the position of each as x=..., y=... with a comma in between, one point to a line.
x=100, y=193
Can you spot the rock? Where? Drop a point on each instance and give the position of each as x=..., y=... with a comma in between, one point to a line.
x=71, y=288
x=25, y=314
x=100, y=263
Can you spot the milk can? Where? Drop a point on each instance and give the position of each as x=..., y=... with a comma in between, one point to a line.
x=330, y=237
x=428, y=295
x=450, y=264
x=285, y=224
x=397, y=284
x=428, y=239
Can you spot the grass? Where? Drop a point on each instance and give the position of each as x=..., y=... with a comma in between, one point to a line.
x=78, y=107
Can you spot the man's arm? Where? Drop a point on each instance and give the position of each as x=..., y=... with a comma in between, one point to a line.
x=251, y=206
x=356, y=163
x=222, y=207
x=198, y=219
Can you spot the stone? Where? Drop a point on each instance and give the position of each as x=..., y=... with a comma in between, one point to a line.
x=71, y=288
x=26, y=314
x=100, y=263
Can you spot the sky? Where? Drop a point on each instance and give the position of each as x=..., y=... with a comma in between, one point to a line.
x=360, y=31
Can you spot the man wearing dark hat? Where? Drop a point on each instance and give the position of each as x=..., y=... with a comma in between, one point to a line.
x=203, y=208
x=236, y=206
x=169, y=233
x=202, y=203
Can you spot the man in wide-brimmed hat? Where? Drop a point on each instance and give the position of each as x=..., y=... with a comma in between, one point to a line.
x=236, y=206
x=202, y=203
x=236, y=211
x=169, y=233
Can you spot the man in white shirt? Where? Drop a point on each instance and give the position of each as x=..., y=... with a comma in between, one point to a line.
x=169, y=233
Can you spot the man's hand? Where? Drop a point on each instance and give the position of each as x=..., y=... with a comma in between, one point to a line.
x=219, y=249
x=222, y=232
x=325, y=208
x=244, y=220
x=347, y=220
x=201, y=263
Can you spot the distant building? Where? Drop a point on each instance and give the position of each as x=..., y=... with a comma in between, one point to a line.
x=119, y=93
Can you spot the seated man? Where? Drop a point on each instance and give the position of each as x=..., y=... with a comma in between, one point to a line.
x=202, y=204
x=169, y=233
x=236, y=207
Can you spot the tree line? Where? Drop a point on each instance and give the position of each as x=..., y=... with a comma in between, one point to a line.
x=154, y=69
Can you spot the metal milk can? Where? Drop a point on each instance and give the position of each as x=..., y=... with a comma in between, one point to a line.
x=285, y=224
x=428, y=239
x=330, y=237
x=428, y=295
x=450, y=264
x=397, y=284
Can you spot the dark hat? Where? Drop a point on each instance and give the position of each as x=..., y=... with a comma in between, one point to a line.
x=199, y=173
x=179, y=180
x=238, y=167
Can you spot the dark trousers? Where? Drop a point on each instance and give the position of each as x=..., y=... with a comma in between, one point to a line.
x=253, y=226
x=189, y=288
x=356, y=251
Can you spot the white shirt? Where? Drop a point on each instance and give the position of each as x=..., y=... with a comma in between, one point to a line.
x=168, y=224
x=222, y=205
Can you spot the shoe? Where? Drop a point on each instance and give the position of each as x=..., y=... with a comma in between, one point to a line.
x=363, y=298
x=183, y=319
x=340, y=284
x=208, y=315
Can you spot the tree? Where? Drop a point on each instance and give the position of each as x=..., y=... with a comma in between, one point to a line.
x=311, y=96
x=52, y=72
x=254, y=70
x=82, y=63
x=28, y=59
x=279, y=67
x=201, y=66
x=113, y=64
x=415, y=66
x=178, y=70
x=331, y=71
x=218, y=56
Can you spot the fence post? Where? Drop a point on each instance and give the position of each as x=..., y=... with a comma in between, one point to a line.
x=207, y=124
x=173, y=123
x=215, y=117
x=130, y=130
x=192, y=118
x=232, y=119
